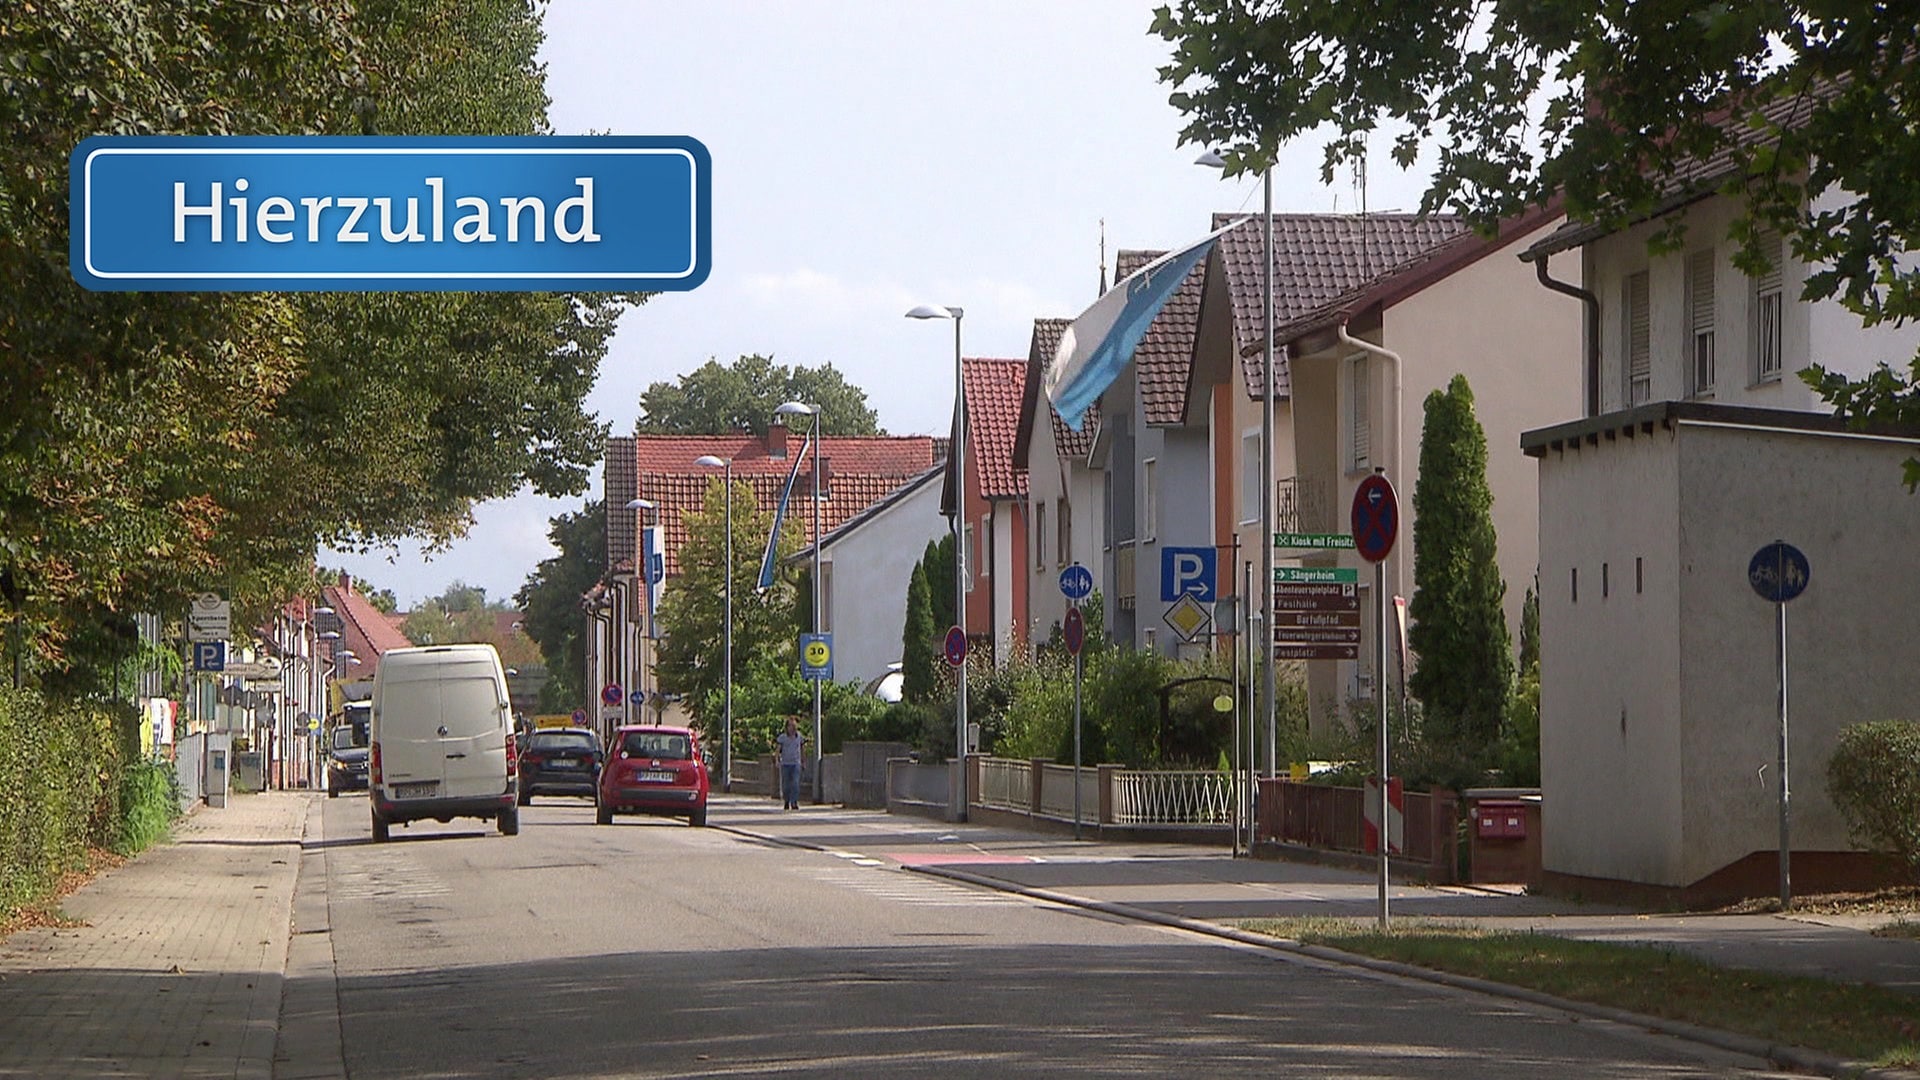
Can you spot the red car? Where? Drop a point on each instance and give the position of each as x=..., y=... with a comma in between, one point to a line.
x=653, y=770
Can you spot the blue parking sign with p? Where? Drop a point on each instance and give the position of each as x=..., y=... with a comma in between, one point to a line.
x=209, y=656
x=1187, y=570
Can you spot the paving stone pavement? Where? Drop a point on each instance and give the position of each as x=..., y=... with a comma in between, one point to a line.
x=178, y=966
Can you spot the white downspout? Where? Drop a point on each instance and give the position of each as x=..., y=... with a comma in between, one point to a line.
x=1393, y=463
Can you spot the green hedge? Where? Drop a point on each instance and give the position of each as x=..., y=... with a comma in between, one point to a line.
x=1874, y=778
x=70, y=780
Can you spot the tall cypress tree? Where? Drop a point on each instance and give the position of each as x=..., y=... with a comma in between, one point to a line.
x=937, y=563
x=1459, y=630
x=916, y=641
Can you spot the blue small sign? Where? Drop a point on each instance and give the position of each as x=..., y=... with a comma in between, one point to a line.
x=1779, y=572
x=209, y=656
x=816, y=657
x=1076, y=582
x=1187, y=570
x=286, y=213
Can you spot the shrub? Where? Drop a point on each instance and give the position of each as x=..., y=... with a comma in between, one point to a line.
x=1874, y=779
x=59, y=790
x=149, y=801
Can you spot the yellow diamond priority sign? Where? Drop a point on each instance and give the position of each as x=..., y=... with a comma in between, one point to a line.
x=1188, y=617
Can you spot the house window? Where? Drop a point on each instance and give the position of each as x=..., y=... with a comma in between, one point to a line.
x=1063, y=531
x=1700, y=321
x=826, y=597
x=1039, y=536
x=1149, y=501
x=986, y=547
x=967, y=552
x=1573, y=584
x=1639, y=576
x=1249, y=478
x=1359, y=424
x=1768, y=310
x=1639, y=337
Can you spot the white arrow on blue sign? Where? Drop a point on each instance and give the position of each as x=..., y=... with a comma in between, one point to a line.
x=1076, y=582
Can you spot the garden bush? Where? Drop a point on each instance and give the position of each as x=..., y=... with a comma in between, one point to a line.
x=149, y=801
x=59, y=790
x=1874, y=780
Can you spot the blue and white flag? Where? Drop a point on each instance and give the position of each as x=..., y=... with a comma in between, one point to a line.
x=780, y=517
x=1098, y=345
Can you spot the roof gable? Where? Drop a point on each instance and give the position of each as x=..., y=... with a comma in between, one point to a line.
x=1165, y=353
x=993, y=392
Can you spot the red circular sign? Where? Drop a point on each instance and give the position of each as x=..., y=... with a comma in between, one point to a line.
x=956, y=646
x=611, y=693
x=1075, y=631
x=1376, y=518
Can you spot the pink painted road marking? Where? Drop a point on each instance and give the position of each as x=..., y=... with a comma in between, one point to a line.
x=958, y=858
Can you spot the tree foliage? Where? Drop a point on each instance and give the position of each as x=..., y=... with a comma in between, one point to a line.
x=693, y=615
x=916, y=641
x=1610, y=106
x=1874, y=776
x=937, y=563
x=716, y=400
x=550, y=601
x=1459, y=630
x=156, y=445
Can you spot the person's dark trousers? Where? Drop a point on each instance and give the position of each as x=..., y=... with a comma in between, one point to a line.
x=790, y=786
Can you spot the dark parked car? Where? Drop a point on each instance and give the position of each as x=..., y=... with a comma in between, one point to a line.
x=654, y=770
x=559, y=761
x=346, y=762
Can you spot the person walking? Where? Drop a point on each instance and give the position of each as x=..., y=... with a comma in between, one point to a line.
x=792, y=746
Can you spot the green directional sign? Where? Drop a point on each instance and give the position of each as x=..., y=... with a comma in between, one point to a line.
x=1313, y=541
x=1315, y=575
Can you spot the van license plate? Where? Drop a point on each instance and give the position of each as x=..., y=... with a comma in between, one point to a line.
x=415, y=791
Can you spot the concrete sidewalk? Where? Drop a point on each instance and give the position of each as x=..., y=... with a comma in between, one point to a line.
x=1209, y=885
x=178, y=967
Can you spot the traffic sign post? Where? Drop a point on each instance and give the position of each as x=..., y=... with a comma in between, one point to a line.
x=1076, y=582
x=1376, y=524
x=1298, y=541
x=612, y=694
x=956, y=648
x=209, y=618
x=1779, y=572
x=209, y=656
x=1075, y=632
x=1316, y=613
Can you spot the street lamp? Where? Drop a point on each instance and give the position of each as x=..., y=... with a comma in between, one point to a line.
x=639, y=642
x=1213, y=160
x=795, y=408
x=710, y=461
x=935, y=311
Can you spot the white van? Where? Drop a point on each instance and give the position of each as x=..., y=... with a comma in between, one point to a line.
x=443, y=738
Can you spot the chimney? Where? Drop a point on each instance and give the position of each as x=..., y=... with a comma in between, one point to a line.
x=346, y=581
x=777, y=438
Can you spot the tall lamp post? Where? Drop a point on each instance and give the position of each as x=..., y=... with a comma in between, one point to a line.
x=1213, y=160
x=936, y=311
x=726, y=744
x=644, y=590
x=795, y=408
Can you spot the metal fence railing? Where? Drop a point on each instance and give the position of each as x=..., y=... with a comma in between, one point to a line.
x=1191, y=797
x=1056, y=792
x=1006, y=784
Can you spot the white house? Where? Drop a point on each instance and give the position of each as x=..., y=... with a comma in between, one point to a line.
x=1064, y=496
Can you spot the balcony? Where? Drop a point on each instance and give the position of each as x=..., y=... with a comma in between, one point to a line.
x=1301, y=504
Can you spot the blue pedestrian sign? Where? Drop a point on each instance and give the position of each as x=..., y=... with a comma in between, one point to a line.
x=1076, y=582
x=1187, y=571
x=1778, y=572
x=816, y=657
x=209, y=656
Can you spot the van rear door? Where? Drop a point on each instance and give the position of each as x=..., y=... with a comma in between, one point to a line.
x=474, y=719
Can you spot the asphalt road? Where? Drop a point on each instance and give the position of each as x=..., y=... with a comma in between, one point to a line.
x=648, y=948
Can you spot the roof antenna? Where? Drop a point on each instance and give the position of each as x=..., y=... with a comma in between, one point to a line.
x=1103, y=259
x=1366, y=230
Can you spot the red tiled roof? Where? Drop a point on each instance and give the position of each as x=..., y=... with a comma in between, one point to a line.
x=1163, y=357
x=994, y=389
x=365, y=629
x=858, y=471
x=1316, y=259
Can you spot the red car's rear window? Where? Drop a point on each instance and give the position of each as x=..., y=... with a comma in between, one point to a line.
x=657, y=744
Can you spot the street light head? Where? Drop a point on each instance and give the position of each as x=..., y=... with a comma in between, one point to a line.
x=709, y=461
x=795, y=408
x=1211, y=159
x=935, y=311
x=640, y=504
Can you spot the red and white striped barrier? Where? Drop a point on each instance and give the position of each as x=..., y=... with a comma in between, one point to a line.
x=1396, y=817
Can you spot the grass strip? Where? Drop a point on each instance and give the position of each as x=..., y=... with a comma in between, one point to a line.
x=1861, y=1023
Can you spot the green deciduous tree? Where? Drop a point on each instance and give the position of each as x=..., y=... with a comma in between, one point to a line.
x=551, y=599
x=715, y=400
x=155, y=445
x=1459, y=631
x=1609, y=106
x=692, y=613
x=916, y=641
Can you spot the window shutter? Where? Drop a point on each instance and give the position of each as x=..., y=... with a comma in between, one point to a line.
x=1361, y=419
x=1768, y=308
x=1639, y=339
x=1700, y=301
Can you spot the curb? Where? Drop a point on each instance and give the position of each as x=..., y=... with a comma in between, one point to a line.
x=1779, y=1053
x=310, y=1046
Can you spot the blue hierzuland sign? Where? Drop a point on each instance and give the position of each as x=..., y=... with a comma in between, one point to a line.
x=1187, y=570
x=609, y=212
x=816, y=657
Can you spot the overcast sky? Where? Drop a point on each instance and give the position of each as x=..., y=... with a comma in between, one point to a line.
x=868, y=157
